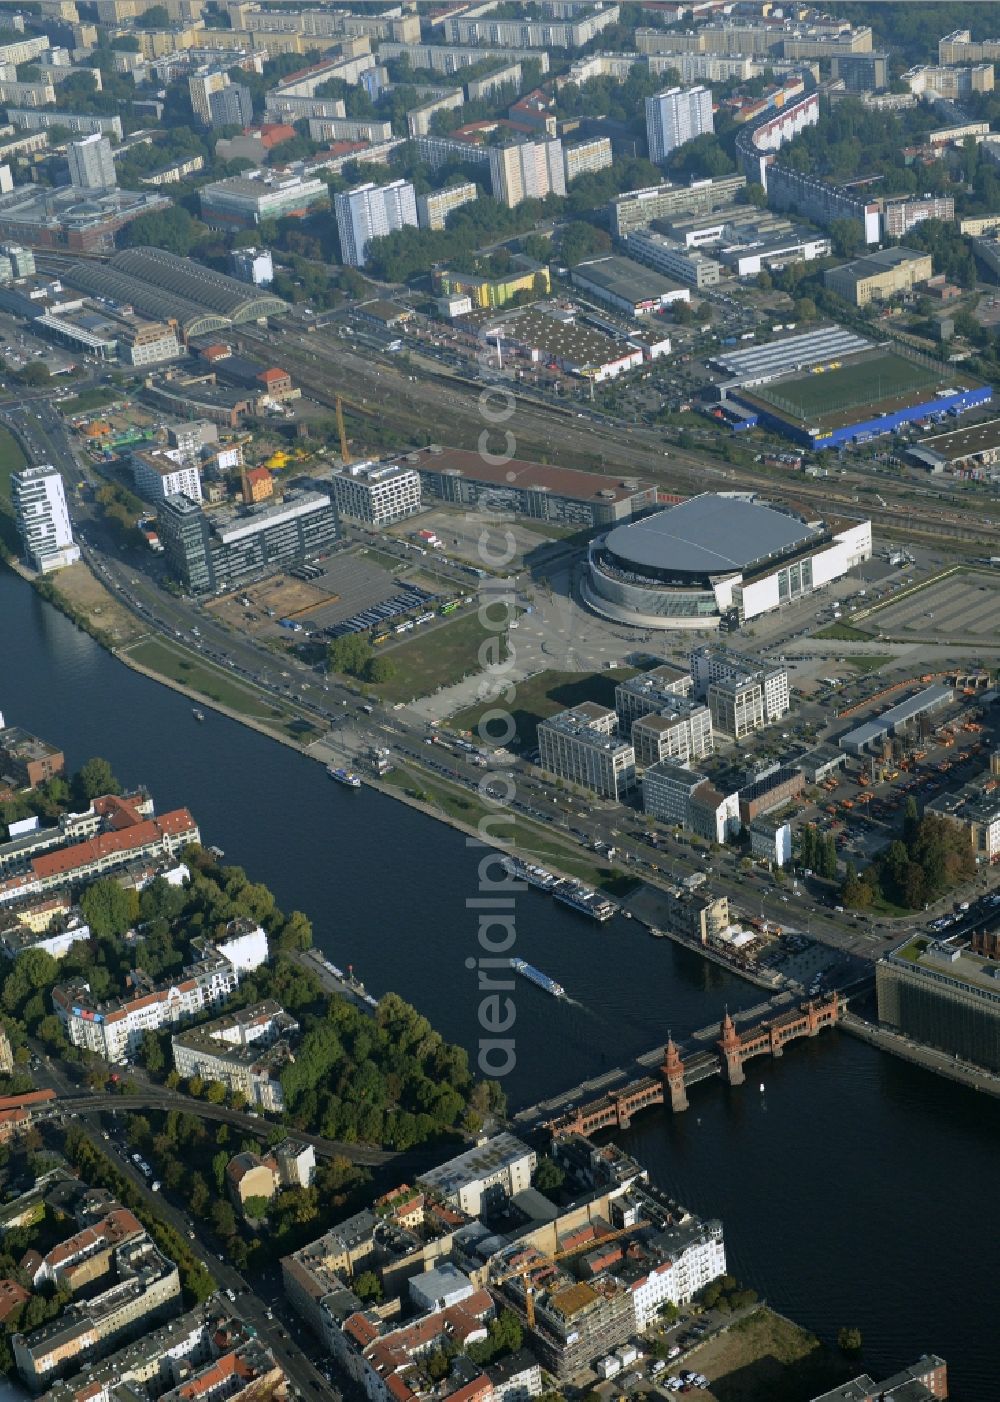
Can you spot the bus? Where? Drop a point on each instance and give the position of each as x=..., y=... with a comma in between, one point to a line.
x=449, y=607
x=381, y=638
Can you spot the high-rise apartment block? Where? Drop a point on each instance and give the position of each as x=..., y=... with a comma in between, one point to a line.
x=42, y=517
x=231, y=106
x=369, y=212
x=92, y=163
x=527, y=170
x=676, y=116
x=201, y=86
x=433, y=208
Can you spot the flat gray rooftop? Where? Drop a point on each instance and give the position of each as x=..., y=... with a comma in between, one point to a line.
x=710, y=534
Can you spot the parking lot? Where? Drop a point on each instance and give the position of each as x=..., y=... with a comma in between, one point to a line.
x=960, y=607
x=345, y=586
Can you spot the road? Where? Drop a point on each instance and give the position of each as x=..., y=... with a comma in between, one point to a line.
x=264, y=1305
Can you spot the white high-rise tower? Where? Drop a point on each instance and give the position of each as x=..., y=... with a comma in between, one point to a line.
x=42, y=518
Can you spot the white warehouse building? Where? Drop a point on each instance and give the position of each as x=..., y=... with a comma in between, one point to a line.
x=716, y=557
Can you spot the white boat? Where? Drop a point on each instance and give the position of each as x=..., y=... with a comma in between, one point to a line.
x=762, y=1087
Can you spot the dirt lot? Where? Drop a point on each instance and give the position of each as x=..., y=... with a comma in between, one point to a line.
x=461, y=531
x=767, y=1356
x=89, y=596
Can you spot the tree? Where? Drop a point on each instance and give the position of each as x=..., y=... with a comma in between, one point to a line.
x=847, y=237
x=215, y=1092
x=849, y=1339
x=581, y=240
x=349, y=654
x=755, y=194
x=295, y=933
x=156, y=17
x=173, y=229
x=367, y=1286
x=108, y=908
x=223, y=1218
x=35, y=373
x=255, y=1207
x=379, y=670
x=548, y=1176
x=93, y=780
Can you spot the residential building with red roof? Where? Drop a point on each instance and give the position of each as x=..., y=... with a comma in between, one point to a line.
x=125, y=832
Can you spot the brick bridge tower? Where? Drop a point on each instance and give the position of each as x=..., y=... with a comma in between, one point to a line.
x=729, y=1048
x=672, y=1072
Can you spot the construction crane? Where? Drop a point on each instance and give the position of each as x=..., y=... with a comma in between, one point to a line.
x=345, y=451
x=525, y=1270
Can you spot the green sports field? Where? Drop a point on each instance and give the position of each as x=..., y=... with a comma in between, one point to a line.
x=810, y=398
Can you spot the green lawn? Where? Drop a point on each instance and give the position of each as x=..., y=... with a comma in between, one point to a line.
x=439, y=657
x=866, y=382
x=527, y=838
x=844, y=633
x=545, y=694
x=92, y=399
x=11, y=460
x=870, y=662
x=214, y=684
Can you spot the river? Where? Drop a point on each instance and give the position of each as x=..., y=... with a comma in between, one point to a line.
x=848, y=1189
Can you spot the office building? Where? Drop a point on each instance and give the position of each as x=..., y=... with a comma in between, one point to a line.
x=233, y=546
x=246, y=1050
x=771, y=841
x=42, y=516
x=483, y=1177
x=924, y=1381
x=680, y=797
x=672, y=259
x=581, y=746
x=25, y=760
x=743, y=693
x=92, y=164
x=253, y=265
x=527, y=170
x=433, y=208
x=538, y=490
x=370, y=212
x=861, y=72
x=977, y=814
x=636, y=209
x=770, y=791
x=244, y=201
x=879, y=275
x=647, y=693
x=676, y=116
x=231, y=106
x=681, y=731
x=159, y=473
x=146, y=342
x=377, y=494
x=492, y=292
x=943, y=994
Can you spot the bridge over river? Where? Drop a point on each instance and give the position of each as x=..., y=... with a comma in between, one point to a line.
x=665, y=1074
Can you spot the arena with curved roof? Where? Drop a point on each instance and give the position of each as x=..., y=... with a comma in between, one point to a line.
x=715, y=557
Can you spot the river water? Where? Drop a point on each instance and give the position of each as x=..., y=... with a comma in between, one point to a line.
x=854, y=1190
